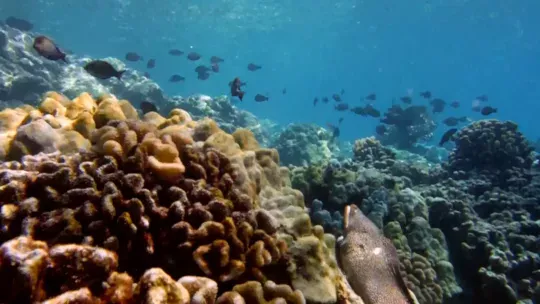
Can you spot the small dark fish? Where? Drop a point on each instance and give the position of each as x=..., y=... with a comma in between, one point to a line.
x=341, y=107
x=147, y=106
x=176, y=78
x=447, y=136
x=406, y=99
x=151, y=64
x=46, y=48
x=359, y=111
x=336, y=97
x=216, y=59
x=236, y=86
x=340, y=120
x=176, y=52
x=342, y=91
x=438, y=105
x=102, y=69
x=325, y=99
x=371, y=97
x=454, y=104
x=451, y=121
x=335, y=130
x=203, y=76
x=147, y=75
x=193, y=56
x=483, y=98
x=488, y=110
x=284, y=91
x=315, y=101
x=463, y=119
x=202, y=69
x=20, y=24
x=132, y=56
x=260, y=98
x=371, y=111
x=215, y=67
x=381, y=130
x=253, y=67
x=426, y=94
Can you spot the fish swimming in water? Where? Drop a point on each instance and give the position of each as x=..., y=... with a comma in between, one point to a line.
x=176, y=52
x=102, y=69
x=215, y=67
x=134, y=57
x=151, y=64
x=236, y=88
x=488, y=110
x=176, y=78
x=426, y=94
x=216, y=59
x=203, y=76
x=261, y=98
x=193, y=56
x=253, y=67
x=46, y=48
x=147, y=106
x=341, y=107
x=447, y=136
x=336, y=97
x=325, y=99
x=370, y=261
x=371, y=97
x=315, y=101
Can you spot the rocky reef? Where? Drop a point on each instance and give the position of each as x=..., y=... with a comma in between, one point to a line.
x=407, y=126
x=153, y=209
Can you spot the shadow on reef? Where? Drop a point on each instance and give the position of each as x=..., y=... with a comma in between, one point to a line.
x=474, y=222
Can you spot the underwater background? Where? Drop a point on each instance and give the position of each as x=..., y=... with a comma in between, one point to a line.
x=362, y=152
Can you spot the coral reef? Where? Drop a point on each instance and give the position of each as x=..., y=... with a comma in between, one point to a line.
x=150, y=200
x=300, y=144
x=407, y=126
x=495, y=150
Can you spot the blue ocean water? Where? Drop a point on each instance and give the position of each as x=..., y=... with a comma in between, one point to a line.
x=456, y=49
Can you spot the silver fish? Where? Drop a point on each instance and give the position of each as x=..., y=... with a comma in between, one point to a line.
x=370, y=261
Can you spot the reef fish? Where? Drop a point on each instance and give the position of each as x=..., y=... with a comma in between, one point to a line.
x=147, y=106
x=341, y=107
x=176, y=52
x=151, y=64
x=260, y=98
x=236, y=88
x=46, y=48
x=371, y=97
x=426, y=94
x=253, y=67
x=193, y=56
x=134, y=57
x=447, y=136
x=336, y=97
x=370, y=261
x=176, y=78
x=102, y=70
x=216, y=59
x=488, y=110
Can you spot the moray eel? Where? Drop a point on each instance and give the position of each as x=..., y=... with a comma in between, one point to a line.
x=370, y=261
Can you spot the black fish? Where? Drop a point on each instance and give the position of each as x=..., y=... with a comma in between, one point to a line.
x=426, y=94
x=371, y=111
x=325, y=99
x=488, y=110
x=151, y=64
x=216, y=59
x=315, y=101
x=19, y=24
x=284, y=91
x=176, y=78
x=253, y=67
x=147, y=106
x=176, y=52
x=202, y=69
x=193, y=56
x=371, y=97
x=215, y=67
x=340, y=120
x=406, y=99
x=132, y=56
x=46, y=48
x=483, y=98
x=147, y=75
x=102, y=70
x=260, y=98
x=451, y=121
x=455, y=104
x=236, y=86
x=341, y=107
x=336, y=97
x=438, y=105
x=203, y=76
x=447, y=136
x=241, y=83
x=380, y=130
